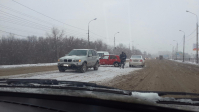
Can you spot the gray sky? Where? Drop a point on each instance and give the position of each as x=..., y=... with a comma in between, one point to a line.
x=152, y=25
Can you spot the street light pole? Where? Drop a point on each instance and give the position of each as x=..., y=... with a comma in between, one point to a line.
x=172, y=50
x=176, y=48
x=114, y=38
x=88, y=32
x=183, y=44
x=196, y=36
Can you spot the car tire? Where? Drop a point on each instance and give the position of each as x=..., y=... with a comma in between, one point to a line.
x=61, y=69
x=83, y=68
x=96, y=66
x=116, y=64
x=129, y=65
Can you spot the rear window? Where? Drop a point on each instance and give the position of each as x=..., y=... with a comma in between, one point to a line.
x=105, y=57
x=135, y=56
x=100, y=54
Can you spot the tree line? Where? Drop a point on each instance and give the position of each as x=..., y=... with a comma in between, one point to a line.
x=48, y=49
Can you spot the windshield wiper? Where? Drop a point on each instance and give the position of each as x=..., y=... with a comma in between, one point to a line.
x=54, y=84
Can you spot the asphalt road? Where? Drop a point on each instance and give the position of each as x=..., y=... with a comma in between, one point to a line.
x=160, y=75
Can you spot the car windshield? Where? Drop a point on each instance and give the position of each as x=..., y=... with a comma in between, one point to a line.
x=78, y=53
x=100, y=54
x=136, y=57
x=136, y=45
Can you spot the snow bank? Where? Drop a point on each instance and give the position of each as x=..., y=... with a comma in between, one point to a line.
x=186, y=62
x=27, y=65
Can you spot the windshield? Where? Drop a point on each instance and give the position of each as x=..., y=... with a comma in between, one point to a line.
x=136, y=57
x=100, y=54
x=135, y=45
x=78, y=53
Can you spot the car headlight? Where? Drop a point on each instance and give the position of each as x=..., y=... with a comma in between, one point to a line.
x=76, y=60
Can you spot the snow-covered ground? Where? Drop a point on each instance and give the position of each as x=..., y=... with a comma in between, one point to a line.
x=186, y=62
x=104, y=73
x=27, y=65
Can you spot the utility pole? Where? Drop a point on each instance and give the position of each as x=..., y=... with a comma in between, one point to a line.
x=183, y=44
x=176, y=48
x=88, y=33
x=183, y=47
x=114, y=38
x=197, y=42
x=196, y=35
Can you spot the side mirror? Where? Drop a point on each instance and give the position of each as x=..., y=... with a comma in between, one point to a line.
x=89, y=55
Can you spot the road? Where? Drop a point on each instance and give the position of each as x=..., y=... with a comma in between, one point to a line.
x=160, y=75
x=157, y=75
x=104, y=73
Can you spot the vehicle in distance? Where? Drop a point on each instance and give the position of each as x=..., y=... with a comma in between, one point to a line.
x=80, y=60
x=110, y=60
x=102, y=53
x=160, y=57
x=136, y=60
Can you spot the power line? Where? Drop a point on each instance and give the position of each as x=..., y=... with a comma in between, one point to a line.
x=26, y=21
x=14, y=16
x=13, y=33
x=10, y=9
x=2, y=26
x=47, y=16
x=52, y=18
x=191, y=33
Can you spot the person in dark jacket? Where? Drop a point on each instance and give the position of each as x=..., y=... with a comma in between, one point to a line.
x=123, y=59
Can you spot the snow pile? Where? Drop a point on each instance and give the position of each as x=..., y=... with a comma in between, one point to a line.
x=151, y=97
x=185, y=62
x=27, y=65
x=154, y=97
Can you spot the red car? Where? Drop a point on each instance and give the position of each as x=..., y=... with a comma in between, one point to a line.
x=110, y=60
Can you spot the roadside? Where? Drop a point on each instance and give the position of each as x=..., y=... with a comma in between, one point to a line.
x=25, y=70
x=159, y=75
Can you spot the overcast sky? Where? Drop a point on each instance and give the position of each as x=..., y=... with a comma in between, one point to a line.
x=152, y=25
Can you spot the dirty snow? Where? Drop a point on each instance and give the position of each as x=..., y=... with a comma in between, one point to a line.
x=27, y=65
x=186, y=62
x=104, y=73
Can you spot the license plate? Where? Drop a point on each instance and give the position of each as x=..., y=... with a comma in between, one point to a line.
x=135, y=60
x=66, y=65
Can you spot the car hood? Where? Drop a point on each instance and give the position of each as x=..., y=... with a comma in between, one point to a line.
x=72, y=57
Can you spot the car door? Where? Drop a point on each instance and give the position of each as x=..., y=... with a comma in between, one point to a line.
x=90, y=58
x=104, y=60
x=112, y=59
x=94, y=58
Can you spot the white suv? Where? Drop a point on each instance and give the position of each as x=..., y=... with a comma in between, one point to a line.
x=79, y=59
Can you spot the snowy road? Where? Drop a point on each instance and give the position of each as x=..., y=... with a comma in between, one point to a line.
x=104, y=73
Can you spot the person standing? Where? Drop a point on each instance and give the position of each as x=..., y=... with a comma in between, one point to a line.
x=123, y=59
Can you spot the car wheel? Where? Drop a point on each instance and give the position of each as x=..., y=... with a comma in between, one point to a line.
x=116, y=64
x=129, y=65
x=83, y=68
x=96, y=66
x=61, y=69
